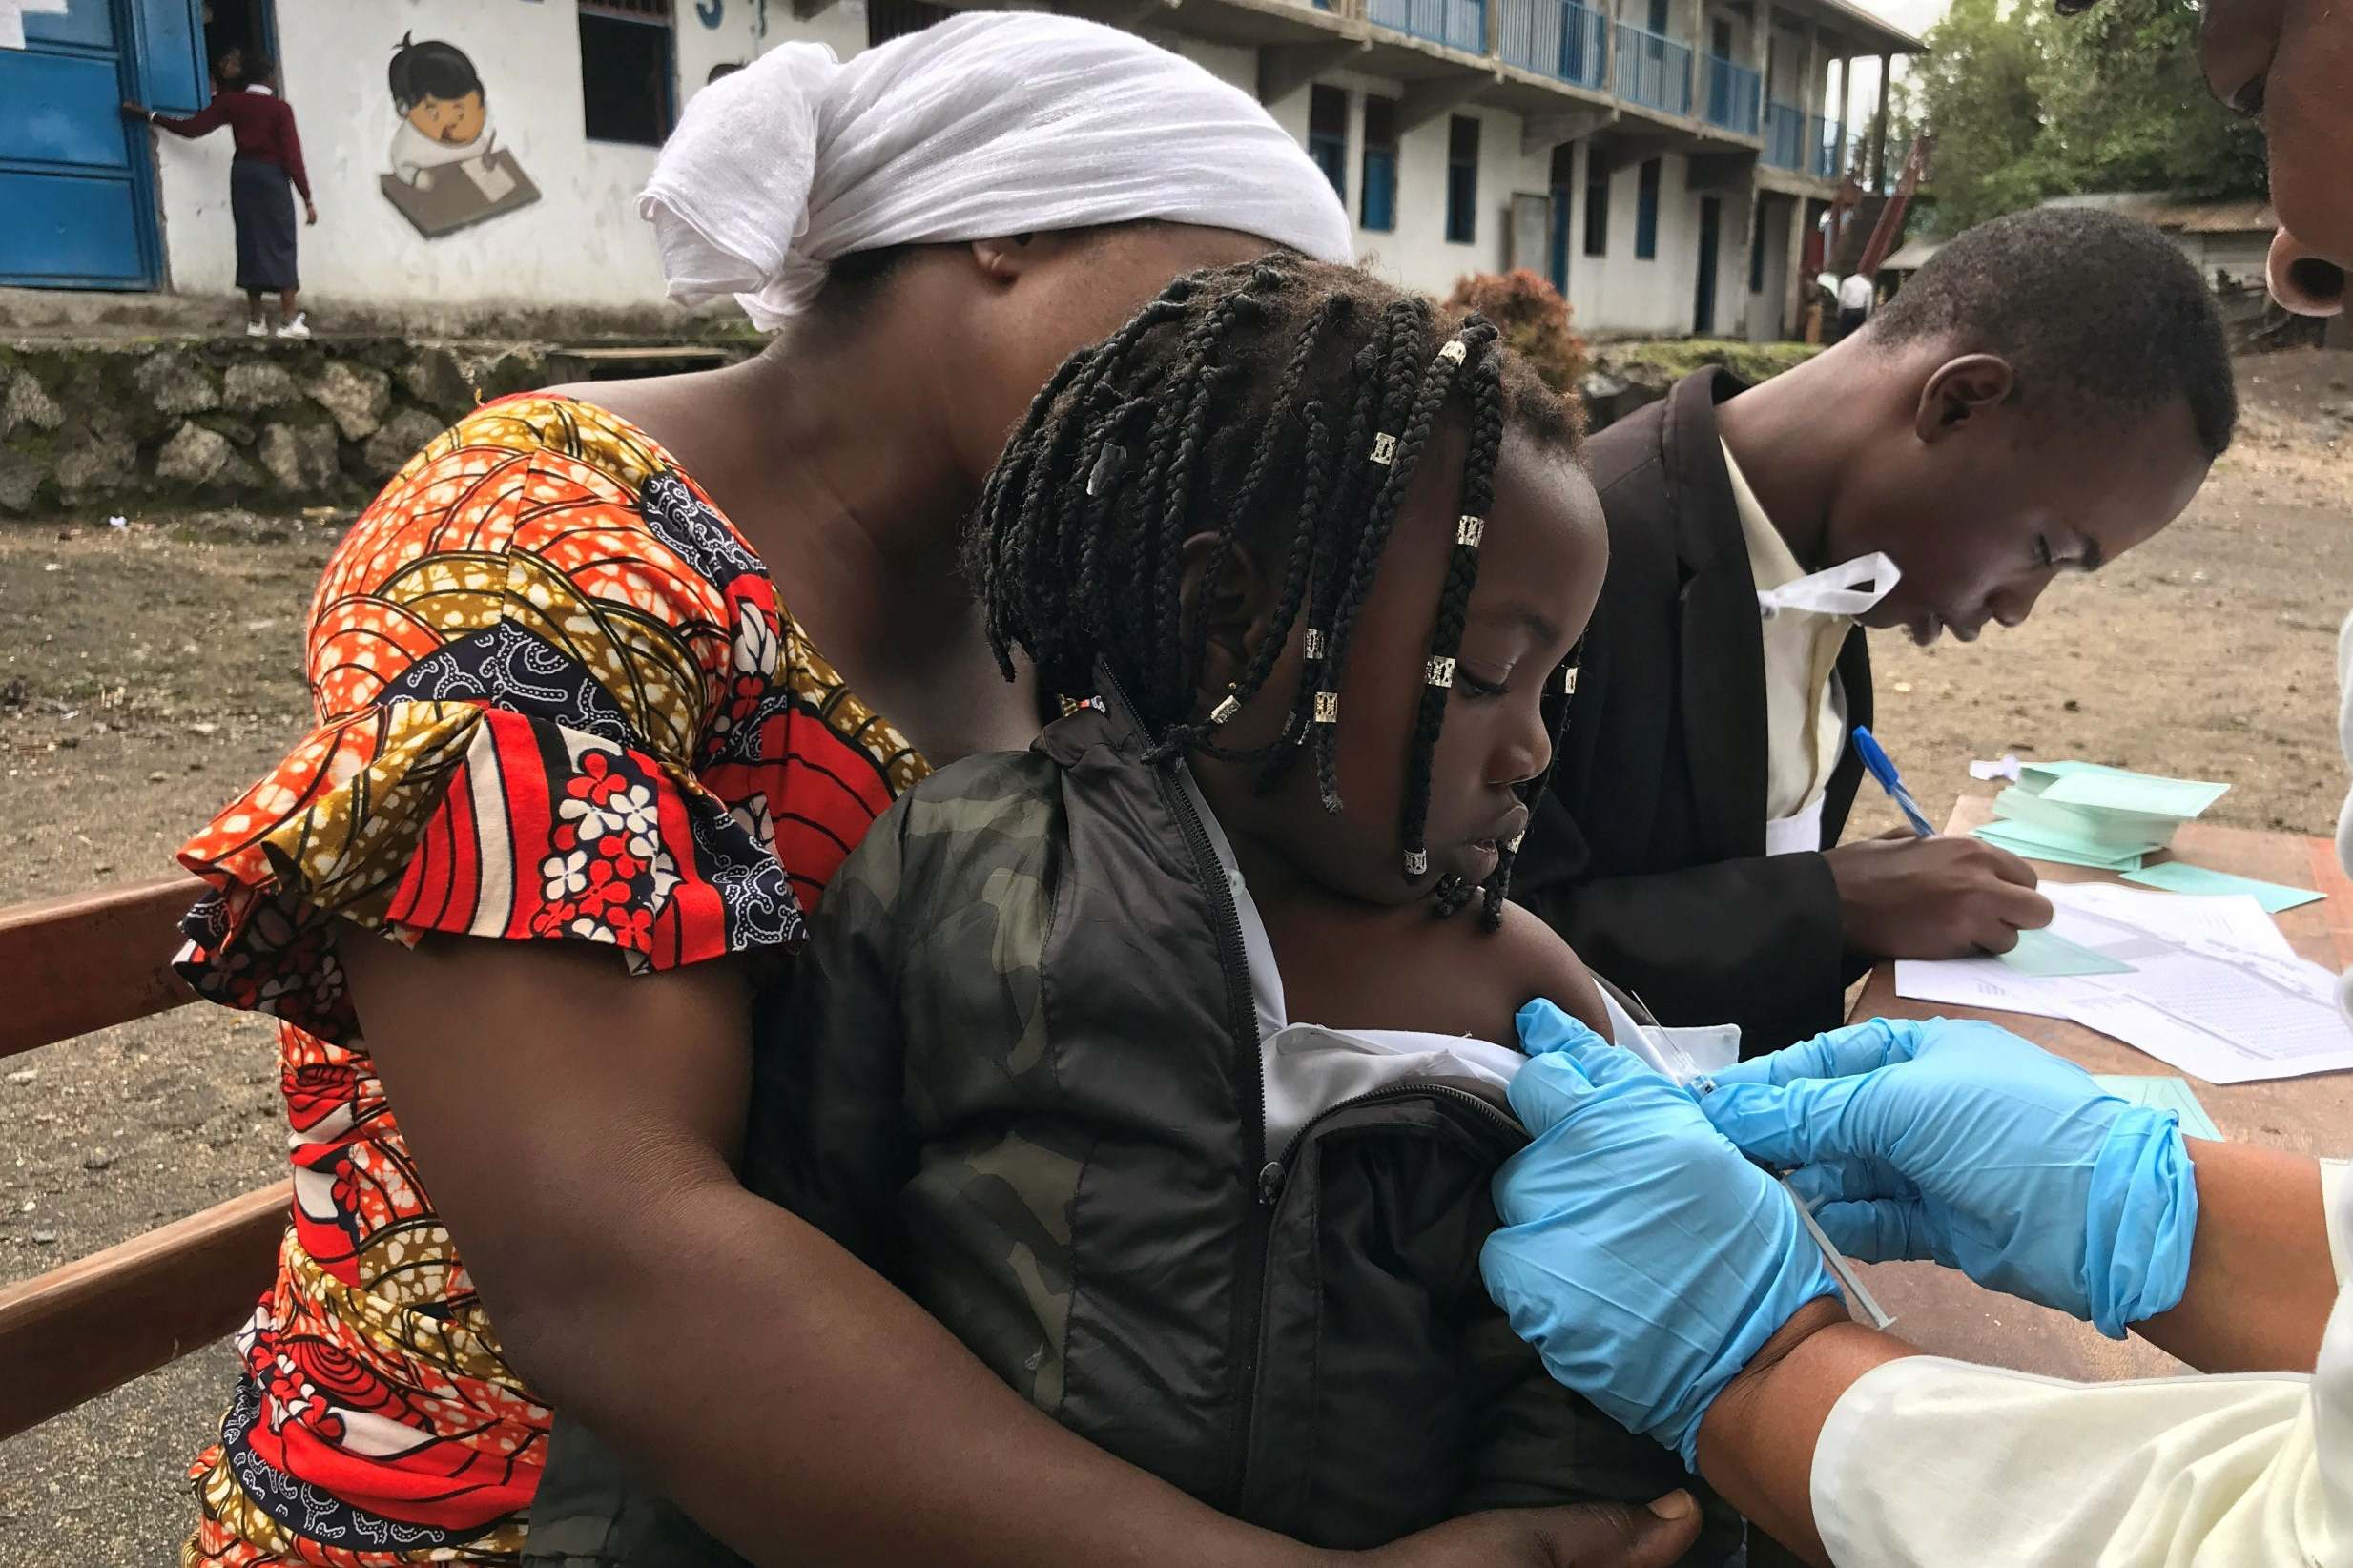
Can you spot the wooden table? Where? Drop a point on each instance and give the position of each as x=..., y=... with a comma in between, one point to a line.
x=1936, y=1308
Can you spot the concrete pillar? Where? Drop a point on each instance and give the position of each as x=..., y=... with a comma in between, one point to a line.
x=1879, y=132
x=1800, y=284
x=1810, y=82
x=1846, y=97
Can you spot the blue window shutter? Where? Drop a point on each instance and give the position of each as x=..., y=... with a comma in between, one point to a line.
x=169, y=48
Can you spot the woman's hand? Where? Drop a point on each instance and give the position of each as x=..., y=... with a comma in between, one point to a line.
x=1590, y=1535
x=1962, y=1143
x=310, y=214
x=1641, y=1253
x=136, y=112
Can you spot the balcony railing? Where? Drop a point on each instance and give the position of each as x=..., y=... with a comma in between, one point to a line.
x=1554, y=38
x=1653, y=70
x=1785, y=136
x=1827, y=144
x=1732, y=94
x=1457, y=24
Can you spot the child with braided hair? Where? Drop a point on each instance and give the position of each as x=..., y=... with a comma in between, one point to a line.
x=1284, y=494
x=1309, y=561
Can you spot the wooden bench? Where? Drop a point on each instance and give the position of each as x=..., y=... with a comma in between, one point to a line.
x=87, y=964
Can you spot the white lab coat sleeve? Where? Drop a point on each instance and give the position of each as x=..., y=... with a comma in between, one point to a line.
x=1928, y=1463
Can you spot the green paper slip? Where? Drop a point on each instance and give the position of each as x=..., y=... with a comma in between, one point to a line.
x=2164, y=1093
x=2048, y=955
x=2021, y=839
x=2117, y=789
x=2124, y=832
x=2178, y=876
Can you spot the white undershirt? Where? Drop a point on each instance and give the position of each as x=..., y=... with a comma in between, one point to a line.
x=1309, y=1068
x=1805, y=705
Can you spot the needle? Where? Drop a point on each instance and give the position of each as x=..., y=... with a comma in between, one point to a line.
x=1839, y=1266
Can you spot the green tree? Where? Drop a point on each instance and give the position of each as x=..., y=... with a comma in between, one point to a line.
x=1977, y=89
x=2125, y=108
x=2026, y=105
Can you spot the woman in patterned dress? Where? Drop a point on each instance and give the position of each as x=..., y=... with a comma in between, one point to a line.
x=633, y=667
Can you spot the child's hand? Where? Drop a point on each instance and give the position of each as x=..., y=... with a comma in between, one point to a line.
x=1588, y=1536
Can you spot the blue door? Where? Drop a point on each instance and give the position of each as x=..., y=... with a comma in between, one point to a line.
x=76, y=177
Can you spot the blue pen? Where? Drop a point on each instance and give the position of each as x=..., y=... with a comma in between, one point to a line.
x=1883, y=770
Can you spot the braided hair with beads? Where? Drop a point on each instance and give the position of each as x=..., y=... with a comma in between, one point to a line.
x=1287, y=405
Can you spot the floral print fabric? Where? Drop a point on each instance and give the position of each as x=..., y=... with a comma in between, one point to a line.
x=556, y=699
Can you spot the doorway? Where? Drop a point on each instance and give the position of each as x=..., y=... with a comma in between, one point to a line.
x=76, y=174
x=246, y=25
x=1563, y=186
x=1711, y=234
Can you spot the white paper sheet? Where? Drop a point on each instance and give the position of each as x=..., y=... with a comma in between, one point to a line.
x=2216, y=990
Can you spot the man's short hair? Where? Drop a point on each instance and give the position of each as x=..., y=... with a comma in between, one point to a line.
x=2098, y=315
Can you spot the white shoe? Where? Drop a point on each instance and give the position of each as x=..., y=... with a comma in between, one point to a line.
x=254, y=329
x=299, y=327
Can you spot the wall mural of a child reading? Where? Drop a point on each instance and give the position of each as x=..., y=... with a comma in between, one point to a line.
x=449, y=171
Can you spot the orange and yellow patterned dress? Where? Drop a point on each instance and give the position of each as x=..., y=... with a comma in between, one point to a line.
x=556, y=699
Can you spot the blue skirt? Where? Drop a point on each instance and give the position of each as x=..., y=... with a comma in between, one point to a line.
x=261, y=203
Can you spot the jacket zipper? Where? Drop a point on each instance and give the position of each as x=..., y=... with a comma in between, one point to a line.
x=1250, y=1072
x=1406, y=1091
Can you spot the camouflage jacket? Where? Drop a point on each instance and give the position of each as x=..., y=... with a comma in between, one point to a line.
x=1017, y=1071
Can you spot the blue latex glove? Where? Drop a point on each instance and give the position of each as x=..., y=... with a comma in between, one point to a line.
x=1962, y=1143
x=1640, y=1252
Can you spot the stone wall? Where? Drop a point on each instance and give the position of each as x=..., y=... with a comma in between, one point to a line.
x=251, y=421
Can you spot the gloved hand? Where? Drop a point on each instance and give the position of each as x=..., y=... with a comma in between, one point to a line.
x=1957, y=1141
x=1640, y=1254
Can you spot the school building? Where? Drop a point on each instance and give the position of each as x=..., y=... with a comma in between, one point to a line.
x=1665, y=162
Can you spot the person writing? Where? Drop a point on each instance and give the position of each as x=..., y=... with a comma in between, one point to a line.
x=268, y=162
x=1983, y=437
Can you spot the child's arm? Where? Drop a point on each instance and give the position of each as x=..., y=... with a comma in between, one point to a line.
x=1535, y=961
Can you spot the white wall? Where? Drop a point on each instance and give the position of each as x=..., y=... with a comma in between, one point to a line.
x=580, y=243
x=1788, y=83
x=583, y=244
x=1236, y=64
x=1418, y=253
x=2242, y=257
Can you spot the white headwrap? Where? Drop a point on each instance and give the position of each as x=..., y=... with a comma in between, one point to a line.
x=986, y=125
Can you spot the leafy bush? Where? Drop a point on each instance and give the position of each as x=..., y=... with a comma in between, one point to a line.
x=1532, y=319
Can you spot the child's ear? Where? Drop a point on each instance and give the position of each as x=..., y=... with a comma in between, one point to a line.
x=1237, y=609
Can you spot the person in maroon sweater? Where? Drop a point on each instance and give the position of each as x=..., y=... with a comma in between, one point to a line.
x=265, y=173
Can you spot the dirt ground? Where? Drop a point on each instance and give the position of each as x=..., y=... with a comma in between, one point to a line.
x=147, y=672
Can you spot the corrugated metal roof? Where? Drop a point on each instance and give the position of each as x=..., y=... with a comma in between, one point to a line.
x=2169, y=212
x=1912, y=257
